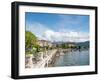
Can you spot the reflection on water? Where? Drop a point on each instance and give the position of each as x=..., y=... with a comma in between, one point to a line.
x=73, y=58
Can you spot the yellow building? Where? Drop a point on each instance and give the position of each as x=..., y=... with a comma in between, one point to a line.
x=71, y=44
x=44, y=43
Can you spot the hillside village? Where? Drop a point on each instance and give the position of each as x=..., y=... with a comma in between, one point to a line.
x=40, y=53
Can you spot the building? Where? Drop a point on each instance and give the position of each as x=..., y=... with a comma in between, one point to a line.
x=44, y=43
x=71, y=44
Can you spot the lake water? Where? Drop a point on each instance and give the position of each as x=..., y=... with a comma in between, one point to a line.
x=72, y=58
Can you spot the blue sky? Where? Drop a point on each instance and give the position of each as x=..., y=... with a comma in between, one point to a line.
x=52, y=27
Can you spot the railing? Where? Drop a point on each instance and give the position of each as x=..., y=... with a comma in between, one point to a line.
x=44, y=62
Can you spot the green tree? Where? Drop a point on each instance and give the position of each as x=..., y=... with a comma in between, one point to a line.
x=30, y=40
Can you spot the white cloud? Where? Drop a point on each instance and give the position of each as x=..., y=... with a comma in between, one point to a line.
x=37, y=28
x=43, y=32
x=70, y=36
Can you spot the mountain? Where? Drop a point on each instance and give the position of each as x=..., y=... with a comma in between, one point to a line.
x=83, y=44
x=78, y=44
